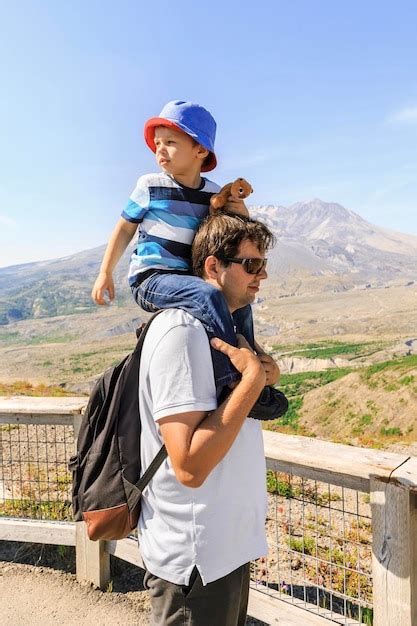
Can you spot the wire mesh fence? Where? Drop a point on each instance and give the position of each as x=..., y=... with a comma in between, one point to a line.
x=319, y=535
x=34, y=479
x=320, y=549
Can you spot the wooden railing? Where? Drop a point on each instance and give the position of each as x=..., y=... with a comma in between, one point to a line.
x=390, y=479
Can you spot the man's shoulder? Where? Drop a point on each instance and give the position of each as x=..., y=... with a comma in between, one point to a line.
x=169, y=319
x=173, y=333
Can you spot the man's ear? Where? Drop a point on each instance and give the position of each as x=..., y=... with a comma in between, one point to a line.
x=211, y=267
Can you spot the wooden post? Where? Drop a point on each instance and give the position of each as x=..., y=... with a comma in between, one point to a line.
x=394, y=554
x=92, y=562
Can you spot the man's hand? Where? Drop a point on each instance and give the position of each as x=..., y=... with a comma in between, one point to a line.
x=271, y=369
x=104, y=283
x=234, y=205
x=243, y=358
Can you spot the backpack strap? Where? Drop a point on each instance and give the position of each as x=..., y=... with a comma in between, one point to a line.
x=142, y=330
x=151, y=470
x=162, y=454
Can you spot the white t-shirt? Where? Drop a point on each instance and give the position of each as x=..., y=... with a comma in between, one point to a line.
x=220, y=525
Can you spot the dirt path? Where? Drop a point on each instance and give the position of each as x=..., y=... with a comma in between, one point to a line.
x=33, y=595
x=43, y=596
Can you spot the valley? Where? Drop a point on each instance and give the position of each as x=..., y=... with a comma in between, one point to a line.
x=338, y=313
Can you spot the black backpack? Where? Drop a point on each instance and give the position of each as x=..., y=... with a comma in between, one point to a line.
x=106, y=489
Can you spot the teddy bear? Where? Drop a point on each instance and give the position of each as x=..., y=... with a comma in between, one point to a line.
x=239, y=189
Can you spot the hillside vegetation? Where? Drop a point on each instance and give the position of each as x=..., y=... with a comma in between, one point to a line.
x=373, y=406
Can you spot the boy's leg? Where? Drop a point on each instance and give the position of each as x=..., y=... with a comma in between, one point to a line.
x=222, y=603
x=203, y=301
x=243, y=319
x=272, y=403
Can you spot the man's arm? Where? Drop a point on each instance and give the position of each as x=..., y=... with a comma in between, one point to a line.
x=119, y=240
x=197, y=441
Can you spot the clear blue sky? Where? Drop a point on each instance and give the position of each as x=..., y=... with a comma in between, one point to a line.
x=312, y=99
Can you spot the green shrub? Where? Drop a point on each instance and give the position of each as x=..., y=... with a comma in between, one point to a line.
x=390, y=432
x=57, y=511
x=24, y=388
x=276, y=486
x=305, y=545
x=406, y=380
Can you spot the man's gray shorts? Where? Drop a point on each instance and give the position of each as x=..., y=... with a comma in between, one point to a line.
x=223, y=602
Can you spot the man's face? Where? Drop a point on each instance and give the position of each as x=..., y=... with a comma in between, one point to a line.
x=176, y=153
x=239, y=287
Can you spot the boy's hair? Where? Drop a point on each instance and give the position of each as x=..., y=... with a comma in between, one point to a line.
x=220, y=235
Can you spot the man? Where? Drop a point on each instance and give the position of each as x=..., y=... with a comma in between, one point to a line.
x=203, y=513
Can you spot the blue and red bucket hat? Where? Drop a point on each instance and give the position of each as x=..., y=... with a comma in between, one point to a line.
x=190, y=118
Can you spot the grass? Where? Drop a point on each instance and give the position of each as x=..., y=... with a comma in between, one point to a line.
x=57, y=511
x=301, y=383
x=295, y=386
x=362, y=422
x=276, y=486
x=329, y=349
x=391, y=432
x=304, y=545
x=24, y=388
x=403, y=363
x=292, y=416
x=406, y=380
x=15, y=338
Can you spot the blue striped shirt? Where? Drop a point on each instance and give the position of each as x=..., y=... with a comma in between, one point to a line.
x=168, y=215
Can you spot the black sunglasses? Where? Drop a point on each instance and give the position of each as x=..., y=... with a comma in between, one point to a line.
x=251, y=266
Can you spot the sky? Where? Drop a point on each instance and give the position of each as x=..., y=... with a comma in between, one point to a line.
x=312, y=100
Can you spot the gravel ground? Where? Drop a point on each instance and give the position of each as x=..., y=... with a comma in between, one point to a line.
x=43, y=596
x=38, y=587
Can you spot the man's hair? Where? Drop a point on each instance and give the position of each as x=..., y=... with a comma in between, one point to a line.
x=220, y=235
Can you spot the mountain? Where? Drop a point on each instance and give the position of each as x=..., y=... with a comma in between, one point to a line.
x=56, y=287
x=325, y=238
x=321, y=246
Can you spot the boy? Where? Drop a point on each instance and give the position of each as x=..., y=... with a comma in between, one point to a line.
x=169, y=206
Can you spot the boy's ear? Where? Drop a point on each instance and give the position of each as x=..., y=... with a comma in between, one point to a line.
x=202, y=152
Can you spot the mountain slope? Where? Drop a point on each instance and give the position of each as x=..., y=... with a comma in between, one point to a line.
x=377, y=402
x=321, y=246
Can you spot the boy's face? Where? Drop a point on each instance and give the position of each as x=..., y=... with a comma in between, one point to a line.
x=176, y=152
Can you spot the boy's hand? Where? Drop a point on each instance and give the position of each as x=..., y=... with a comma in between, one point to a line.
x=271, y=369
x=234, y=205
x=104, y=282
